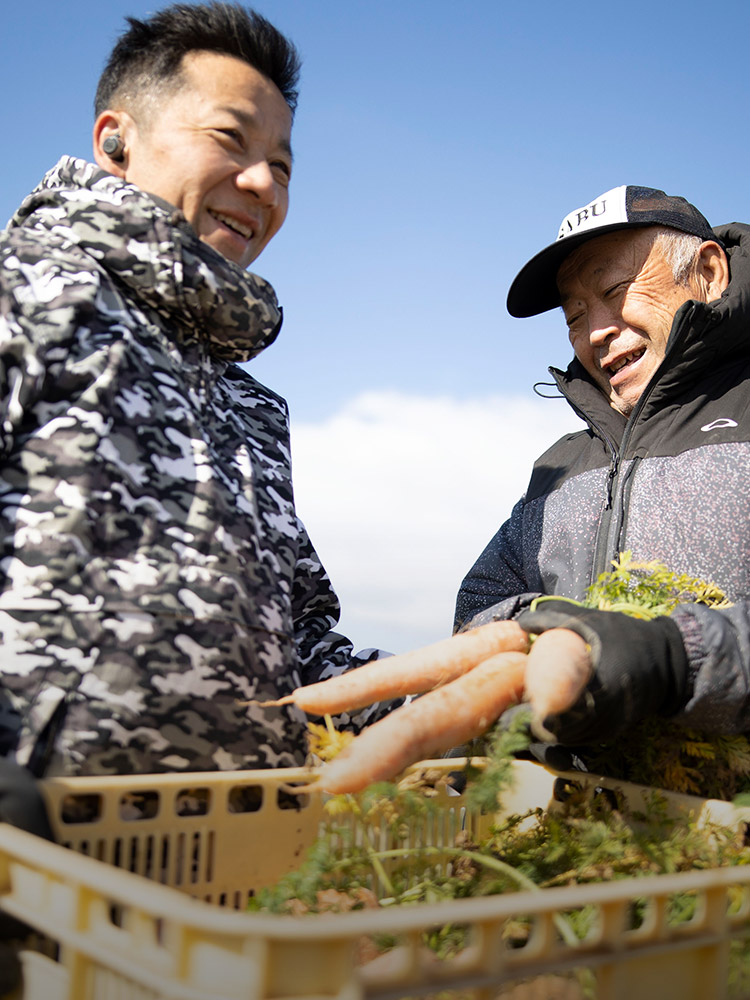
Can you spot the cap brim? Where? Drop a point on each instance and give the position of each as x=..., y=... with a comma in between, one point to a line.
x=534, y=289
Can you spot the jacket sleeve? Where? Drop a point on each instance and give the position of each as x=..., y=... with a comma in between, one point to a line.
x=22, y=366
x=717, y=642
x=44, y=300
x=495, y=588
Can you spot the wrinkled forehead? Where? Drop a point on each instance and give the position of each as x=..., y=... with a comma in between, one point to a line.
x=625, y=249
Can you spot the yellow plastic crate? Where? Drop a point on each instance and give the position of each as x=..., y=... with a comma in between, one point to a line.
x=109, y=931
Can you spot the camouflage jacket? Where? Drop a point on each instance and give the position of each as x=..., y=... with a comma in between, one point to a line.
x=154, y=574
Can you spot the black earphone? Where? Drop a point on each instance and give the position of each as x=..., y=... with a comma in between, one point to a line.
x=112, y=146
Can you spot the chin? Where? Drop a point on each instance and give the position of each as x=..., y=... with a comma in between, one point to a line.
x=242, y=260
x=227, y=252
x=624, y=406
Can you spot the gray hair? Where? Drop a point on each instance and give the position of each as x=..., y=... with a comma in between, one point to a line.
x=680, y=250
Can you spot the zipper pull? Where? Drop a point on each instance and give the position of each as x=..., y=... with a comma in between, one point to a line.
x=611, y=481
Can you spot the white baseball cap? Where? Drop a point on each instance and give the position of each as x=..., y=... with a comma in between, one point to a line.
x=534, y=289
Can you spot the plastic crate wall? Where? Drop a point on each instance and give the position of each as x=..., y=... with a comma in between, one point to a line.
x=220, y=836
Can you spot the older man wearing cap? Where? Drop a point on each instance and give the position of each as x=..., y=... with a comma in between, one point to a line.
x=657, y=305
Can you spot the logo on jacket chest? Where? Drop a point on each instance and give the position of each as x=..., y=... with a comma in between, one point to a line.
x=720, y=422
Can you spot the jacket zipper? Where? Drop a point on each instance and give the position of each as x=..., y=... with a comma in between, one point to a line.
x=627, y=487
x=611, y=477
x=602, y=531
x=608, y=514
x=608, y=541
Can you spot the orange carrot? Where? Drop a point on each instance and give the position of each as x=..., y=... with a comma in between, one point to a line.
x=446, y=717
x=558, y=671
x=408, y=673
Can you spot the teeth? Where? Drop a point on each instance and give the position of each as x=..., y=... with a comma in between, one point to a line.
x=238, y=227
x=621, y=362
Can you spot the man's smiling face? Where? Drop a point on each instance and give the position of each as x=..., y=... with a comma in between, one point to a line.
x=218, y=148
x=619, y=297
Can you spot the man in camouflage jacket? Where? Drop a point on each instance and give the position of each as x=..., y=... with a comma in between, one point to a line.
x=154, y=575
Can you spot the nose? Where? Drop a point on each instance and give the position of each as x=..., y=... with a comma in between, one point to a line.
x=257, y=178
x=602, y=325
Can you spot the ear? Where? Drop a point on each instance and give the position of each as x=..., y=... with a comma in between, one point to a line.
x=111, y=124
x=711, y=275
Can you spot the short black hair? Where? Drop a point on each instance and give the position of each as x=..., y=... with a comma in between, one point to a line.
x=150, y=52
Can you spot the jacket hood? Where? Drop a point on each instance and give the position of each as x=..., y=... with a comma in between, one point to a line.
x=734, y=303
x=148, y=245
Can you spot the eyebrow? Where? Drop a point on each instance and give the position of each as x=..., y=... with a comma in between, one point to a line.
x=250, y=121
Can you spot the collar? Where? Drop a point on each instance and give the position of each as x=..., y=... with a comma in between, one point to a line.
x=148, y=245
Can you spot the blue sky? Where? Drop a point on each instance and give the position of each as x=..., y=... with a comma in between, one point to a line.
x=438, y=145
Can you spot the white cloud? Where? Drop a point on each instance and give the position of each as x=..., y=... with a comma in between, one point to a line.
x=401, y=493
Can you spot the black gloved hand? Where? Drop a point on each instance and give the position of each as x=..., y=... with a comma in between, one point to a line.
x=640, y=669
x=21, y=805
x=21, y=802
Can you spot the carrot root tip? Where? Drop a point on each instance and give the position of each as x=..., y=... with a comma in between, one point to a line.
x=540, y=731
x=276, y=703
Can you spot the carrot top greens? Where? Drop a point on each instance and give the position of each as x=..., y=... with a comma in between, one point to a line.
x=376, y=849
x=659, y=752
x=372, y=853
x=649, y=589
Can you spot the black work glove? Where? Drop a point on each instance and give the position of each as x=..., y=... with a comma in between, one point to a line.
x=21, y=805
x=640, y=669
x=21, y=802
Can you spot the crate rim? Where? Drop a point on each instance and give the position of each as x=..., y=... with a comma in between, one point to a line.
x=156, y=899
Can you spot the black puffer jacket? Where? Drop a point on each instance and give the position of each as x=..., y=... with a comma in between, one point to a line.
x=670, y=483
